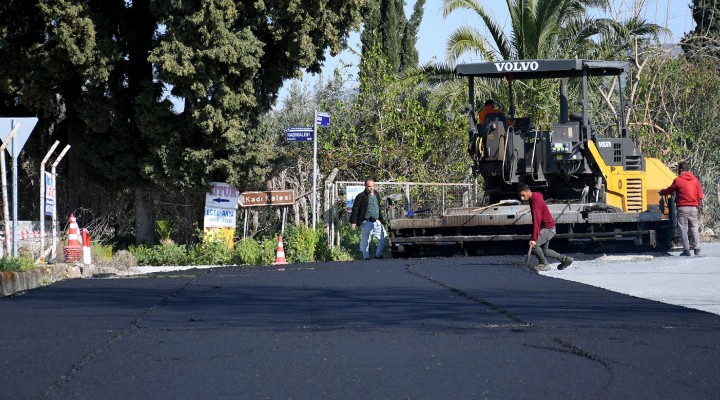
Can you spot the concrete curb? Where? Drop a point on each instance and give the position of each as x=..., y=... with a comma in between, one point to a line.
x=14, y=282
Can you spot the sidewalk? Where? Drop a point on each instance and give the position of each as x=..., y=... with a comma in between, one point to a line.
x=692, y=282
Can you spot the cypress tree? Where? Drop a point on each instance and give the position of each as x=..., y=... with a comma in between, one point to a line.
x=409, y=57
x=98, y=72
x=387, y=31
x=704, y=40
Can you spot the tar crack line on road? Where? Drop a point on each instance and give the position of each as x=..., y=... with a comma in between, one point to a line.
x=492, y=306
x=134, y=327
x=565, y=345
x=582, y=353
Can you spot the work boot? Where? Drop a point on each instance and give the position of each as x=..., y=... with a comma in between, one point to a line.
x=697, y=251
x=686, y=253
x=542, y=267
x=565, y=262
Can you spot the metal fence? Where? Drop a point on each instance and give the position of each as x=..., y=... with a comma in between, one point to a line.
x=405, y=199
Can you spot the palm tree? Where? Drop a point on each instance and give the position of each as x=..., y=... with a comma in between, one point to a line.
x=540, y=29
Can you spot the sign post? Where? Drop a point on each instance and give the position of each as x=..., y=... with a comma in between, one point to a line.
x=221, y=204
x=25, y=127
x=47, y=196
x=53, y=172
x=268, y=198
x=321, y=119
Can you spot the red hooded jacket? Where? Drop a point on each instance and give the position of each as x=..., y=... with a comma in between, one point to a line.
x=687, y=187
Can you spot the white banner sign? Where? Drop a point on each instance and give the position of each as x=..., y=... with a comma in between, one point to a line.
x=219, y=218
x=49, y=193
x=221, y=195
x=352, y=192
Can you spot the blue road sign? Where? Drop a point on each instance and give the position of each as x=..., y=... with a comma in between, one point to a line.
x=322, y=119
x=299, y=134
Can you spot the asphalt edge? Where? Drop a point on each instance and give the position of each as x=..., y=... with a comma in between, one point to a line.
x=15, y=282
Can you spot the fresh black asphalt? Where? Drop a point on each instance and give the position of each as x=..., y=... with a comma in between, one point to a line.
x=458, y=328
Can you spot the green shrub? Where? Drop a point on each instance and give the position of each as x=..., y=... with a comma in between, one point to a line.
x=247, y=251
x=164, y=228
x=306, y=245
x=350, y=240
x=340, y=254
x=268, y=251
x=323, y=252
x=300, y=243
x=168, y=254
x=101, y=252
x=16, y=264
x=210, y=252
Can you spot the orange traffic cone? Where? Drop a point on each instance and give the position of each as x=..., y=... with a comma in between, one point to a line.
x=280, y=257
x=73, y=249
x=87, y=258
x=73, y=234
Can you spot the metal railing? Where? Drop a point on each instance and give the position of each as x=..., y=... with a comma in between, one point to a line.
x=403, y=199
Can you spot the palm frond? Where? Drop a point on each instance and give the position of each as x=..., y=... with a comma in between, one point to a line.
x=466, y=39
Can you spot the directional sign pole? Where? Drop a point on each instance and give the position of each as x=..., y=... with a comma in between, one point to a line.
x=6, y=209
x=323, y=119
x=43, y=199
x=25, y=127
x=314, y=189
x=53, y=173
x=15, y=199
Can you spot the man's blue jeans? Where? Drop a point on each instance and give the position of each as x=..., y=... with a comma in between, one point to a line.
x=368, y=229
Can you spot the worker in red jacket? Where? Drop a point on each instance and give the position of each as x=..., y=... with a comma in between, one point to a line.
x=543, y=229
x=688, y=199
x=490, y=107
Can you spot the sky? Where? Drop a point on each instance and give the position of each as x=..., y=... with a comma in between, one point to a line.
x=434, y=29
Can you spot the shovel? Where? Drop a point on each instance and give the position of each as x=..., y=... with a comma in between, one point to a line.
x=527, y=260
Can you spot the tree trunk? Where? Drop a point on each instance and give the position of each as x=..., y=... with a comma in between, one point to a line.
x=306, y=210
x=144, y=220
x=296, y=213
x=74, y=129
x=255, y=220
x=190, y=218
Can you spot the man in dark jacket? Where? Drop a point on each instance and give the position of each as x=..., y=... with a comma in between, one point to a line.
x=543, y=229
x=367, y=214
x=688, y=199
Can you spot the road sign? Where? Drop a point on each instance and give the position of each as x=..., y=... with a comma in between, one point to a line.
x=268, y=198
x=322, y=119
x=219, y=218
x=49, y=193
x=299, y=134
x=21, y=136
x=221, y=195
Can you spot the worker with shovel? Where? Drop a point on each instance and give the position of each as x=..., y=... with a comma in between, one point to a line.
x=543, y=229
